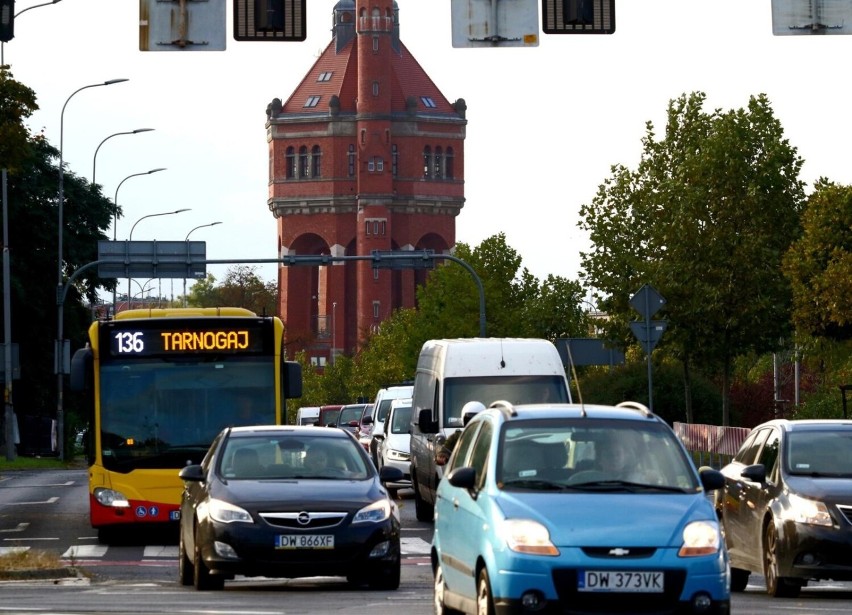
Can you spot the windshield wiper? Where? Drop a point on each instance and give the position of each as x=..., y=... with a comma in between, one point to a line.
x=538, y=483
x=626, y=485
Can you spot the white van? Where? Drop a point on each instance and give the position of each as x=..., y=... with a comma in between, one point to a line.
x=307, y=415
x=452, y=372
x=382, y=404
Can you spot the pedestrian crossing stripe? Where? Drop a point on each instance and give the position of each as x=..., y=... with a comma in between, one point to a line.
x=408, y=546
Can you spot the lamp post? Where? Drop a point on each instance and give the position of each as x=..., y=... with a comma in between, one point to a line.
x=187, y=239
x=115, y=134
x=333, y=331
x=115, y=210
x=60, y=342
x=130, y=238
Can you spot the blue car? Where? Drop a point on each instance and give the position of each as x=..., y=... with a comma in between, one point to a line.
x=570, y=508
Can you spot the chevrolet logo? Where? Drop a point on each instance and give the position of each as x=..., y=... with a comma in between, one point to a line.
x=619, y=552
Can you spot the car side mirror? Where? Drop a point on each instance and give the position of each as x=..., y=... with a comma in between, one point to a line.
x=711, y=479
x=755, y=473
x=425, y=422
x=463, y=478
x=192, y=473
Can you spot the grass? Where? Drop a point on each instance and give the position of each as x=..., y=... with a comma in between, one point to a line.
x=20, y=561
x=39, y=463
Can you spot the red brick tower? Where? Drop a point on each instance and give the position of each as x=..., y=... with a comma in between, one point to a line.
x=366, y=154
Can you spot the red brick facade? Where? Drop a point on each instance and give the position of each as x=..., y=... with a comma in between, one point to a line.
x=366, y=154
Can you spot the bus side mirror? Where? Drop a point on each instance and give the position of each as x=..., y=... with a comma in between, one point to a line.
x=82, y=370
x=292, y=379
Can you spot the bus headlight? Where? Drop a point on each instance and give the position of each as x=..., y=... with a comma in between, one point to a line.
x=110, y=497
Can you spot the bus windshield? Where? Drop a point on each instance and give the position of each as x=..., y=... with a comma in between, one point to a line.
x=156, y=413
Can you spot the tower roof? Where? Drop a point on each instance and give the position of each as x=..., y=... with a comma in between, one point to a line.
x=334, y=76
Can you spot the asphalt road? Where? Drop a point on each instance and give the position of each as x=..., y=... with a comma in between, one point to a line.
x=48, y=510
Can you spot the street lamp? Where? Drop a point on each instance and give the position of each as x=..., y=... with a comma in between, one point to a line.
x=333, y=331
x=130, y=238
x=187, y=239
x=115, y=206
x=116, y=134
x=60, y=342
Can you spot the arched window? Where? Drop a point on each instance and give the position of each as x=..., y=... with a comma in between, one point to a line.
x=351, y=160
x=449, y=171
x=316, y=161
x=439, y=161
x=303, y=161
x=291, y=163
x=427, y=162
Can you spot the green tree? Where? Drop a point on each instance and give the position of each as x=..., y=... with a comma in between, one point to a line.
x=204, y=293
x=819, y=264
x=705, y=218
x=243, y=288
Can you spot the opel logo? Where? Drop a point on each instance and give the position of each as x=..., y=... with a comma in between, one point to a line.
x=303, y=518
x=619, y=552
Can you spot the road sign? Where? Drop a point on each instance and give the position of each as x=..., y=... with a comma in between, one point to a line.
x=494, y=23
x=648, y=332
x=578, y=16
x=647, y=301
x=182, y=25
x=152, y=259
x=805, y=17
x=588, y=351
x=270, y=20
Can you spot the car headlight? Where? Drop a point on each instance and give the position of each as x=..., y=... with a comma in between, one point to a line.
x=527, y=536
x=398, y=455
x=700, y=538
x=110, y=497
x=812, y=512
x=374, y=513
x=225, y=512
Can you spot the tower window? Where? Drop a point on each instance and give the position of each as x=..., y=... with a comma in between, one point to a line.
x=375, y=43
x=303, y=161
x=439, y=161
x=312, y=101
x=316, y=161
x=324, y=76
x=394, y=160
x=428, y=102
x=376, y=308
x=291, y=163
x=376, y=165
x=449, y=172
x=351, y=160
x=427, y=162
x=375, y=88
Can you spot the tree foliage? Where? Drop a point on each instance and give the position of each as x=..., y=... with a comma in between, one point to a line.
x=241, y=288
x=705, y=218
x=819, y=264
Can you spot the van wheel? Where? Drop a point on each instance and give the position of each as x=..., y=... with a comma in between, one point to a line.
x=423, y=511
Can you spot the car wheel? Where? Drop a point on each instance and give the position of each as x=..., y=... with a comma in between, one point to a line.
x=739, y=579
x=186, y=570
x=440, y=588
x=201, y=578
x=386, y=578
x=422, y=510
x=484, y=600
x=776, y=586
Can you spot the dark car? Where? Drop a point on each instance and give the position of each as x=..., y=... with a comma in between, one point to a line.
x=329, y=415
x=287, y=501
x=786, y=507
x=350, y=417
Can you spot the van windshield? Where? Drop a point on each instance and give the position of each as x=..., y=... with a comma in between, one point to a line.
x=488, y=389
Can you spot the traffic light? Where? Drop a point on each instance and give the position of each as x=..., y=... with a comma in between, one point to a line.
x=7, y=20
x=270, y=20
x=578, y=16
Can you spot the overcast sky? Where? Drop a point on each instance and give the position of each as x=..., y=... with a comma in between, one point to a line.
x=545, y=124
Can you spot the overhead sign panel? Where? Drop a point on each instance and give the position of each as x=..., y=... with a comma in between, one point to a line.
x=578, y=16
x=152, y=259
x=270, y=20
x=182, y=25
x=495, y=23
x=805, y=17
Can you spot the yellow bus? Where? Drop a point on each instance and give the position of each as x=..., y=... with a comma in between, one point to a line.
x=162, y=383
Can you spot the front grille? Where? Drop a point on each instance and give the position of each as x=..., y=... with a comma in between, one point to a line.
x=575, y=601
x=619, y=552
x=846, y=511
x=303, y=520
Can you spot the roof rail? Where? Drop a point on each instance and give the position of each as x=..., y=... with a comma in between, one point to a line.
x=505, y=407
x=635, y=405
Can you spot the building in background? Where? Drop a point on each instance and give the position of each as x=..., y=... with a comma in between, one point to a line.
x=366, y=154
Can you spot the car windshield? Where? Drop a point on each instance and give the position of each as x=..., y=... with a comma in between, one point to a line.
x=401, y=419
x=486, y=389
x=820, y=452
x=349, y=414
x=593, y=454
x=291, y=456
